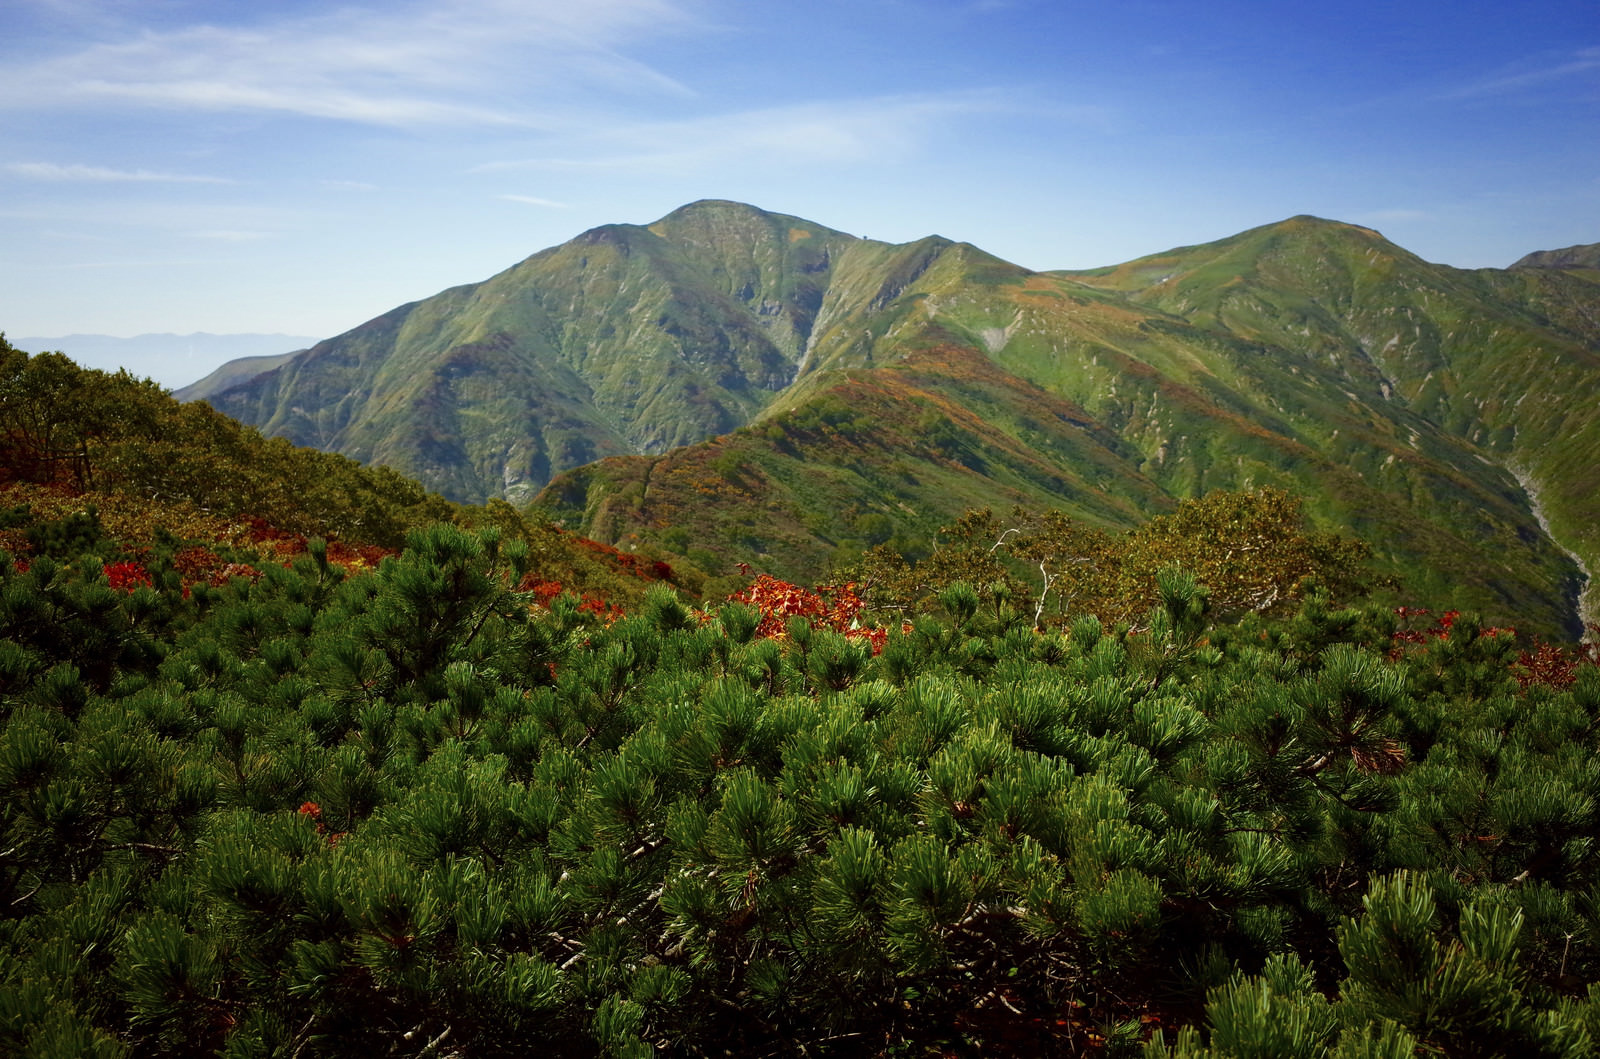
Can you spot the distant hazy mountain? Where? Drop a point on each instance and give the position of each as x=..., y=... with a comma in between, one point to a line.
x=728, y=383
x=172, y=360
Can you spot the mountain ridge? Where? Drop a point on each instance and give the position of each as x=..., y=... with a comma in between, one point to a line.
x=725, y=343
x=721, y=338
x=1582, y=255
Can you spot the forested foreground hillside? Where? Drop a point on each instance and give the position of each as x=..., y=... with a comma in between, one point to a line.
x=299, y=760
x=113, y=465
x=413, y=811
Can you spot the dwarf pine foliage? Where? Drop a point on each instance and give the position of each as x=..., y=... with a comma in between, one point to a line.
x=408, y=812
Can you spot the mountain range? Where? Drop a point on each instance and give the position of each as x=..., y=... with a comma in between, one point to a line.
x=732, y=384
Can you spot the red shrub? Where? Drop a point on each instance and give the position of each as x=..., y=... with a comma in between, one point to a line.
x=835, y=607
x=127, y=576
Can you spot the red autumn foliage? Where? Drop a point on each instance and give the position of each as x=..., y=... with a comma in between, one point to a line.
x=263, y=534
x=627, y=562
x=1438, y=630
x=545, y=592
x=835, y=607
x=356, y=556
x=601, y=609
x=260, y=531
x=127, y=576
x=1552, y=666
x=196, y=563
x=1543, y=665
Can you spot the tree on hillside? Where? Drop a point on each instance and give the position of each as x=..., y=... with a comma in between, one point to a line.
x=1251, y=549
x=56, y=417
x=86, y=429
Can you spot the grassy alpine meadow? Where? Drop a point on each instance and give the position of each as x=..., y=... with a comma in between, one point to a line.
x=411, y=809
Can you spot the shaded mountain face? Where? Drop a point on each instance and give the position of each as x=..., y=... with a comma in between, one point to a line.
x=732, y=384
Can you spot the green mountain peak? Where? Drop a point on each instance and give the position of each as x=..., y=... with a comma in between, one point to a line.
x=772, y=384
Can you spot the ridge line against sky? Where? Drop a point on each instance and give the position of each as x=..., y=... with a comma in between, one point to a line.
x=196, y=165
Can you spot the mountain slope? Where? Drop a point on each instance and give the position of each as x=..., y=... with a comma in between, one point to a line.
x=1584, y=255
x=234, y=373
x=626, y=339
x=1189, y=408
x=735, y=384
x=1491, y=374
x=115, y=465
x=878, y=455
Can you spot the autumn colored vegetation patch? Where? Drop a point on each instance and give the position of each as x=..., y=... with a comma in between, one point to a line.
x=835, y=607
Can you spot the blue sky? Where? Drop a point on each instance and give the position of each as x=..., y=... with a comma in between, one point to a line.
x=178, y=166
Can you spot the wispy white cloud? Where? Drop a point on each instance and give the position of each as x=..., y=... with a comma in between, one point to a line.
x=1585, y=61
x=531, y=200
x=114, y=217
x=101, y=174
x=813, y=134
x=428, y=62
